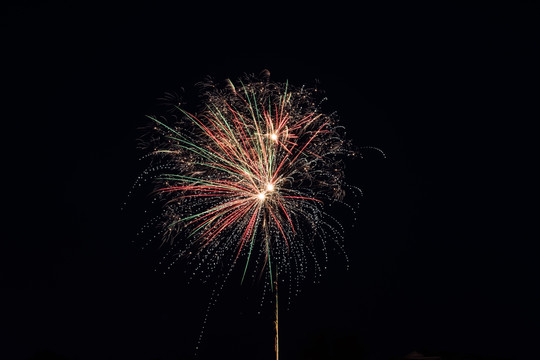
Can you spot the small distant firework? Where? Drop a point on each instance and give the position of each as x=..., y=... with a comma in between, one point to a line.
x=246, y=179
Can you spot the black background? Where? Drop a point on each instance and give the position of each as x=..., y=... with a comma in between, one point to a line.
x=441, y=259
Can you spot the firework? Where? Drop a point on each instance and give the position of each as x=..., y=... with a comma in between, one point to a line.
x=247, y=177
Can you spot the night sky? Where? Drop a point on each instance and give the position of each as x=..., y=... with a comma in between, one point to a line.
x=442, y=260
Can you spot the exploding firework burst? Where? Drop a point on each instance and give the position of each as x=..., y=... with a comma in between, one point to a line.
x=247, y=178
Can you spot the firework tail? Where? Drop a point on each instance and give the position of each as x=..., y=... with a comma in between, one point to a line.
x=277, y=317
